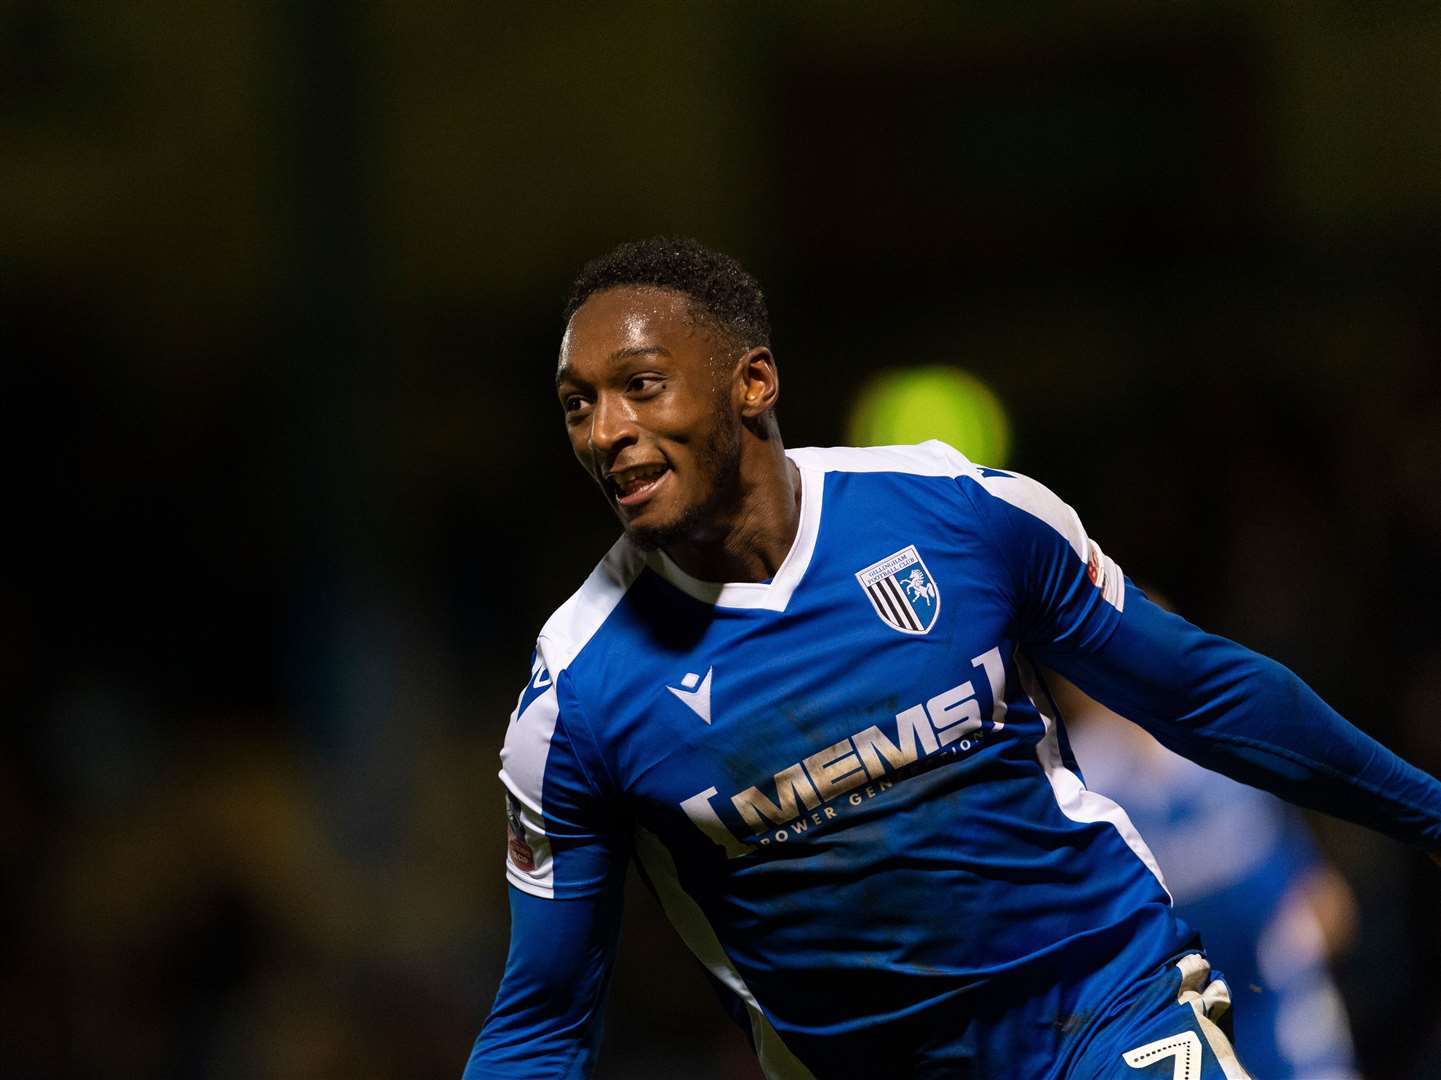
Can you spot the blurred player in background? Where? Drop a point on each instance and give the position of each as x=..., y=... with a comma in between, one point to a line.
x=1245, y=872
x=808, y=692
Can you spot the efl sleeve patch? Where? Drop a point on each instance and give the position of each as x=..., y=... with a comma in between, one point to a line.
x=1106, y=576
x=521, y=840
x=561, y=836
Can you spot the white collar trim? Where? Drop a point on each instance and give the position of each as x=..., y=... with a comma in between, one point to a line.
x=771, y=595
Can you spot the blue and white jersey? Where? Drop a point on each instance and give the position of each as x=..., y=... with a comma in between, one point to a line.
x=849, y=786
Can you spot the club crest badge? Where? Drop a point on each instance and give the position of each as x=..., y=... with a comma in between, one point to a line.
x=902, y=591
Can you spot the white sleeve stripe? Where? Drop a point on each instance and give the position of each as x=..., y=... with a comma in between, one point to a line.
x=527, y=746
x=526, y=752
x=539, y=881
x=521, y=882
x=575, y=622
x=1108, y=578
x=930, y=458
x=522, y=770
x=1040, y=502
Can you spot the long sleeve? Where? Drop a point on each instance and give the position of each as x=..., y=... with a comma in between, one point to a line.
x=1205, y=697
x=1247, y=716
x=546, y=1020
x=566, y=858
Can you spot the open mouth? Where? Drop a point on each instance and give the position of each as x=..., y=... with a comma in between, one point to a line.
x=635, y=486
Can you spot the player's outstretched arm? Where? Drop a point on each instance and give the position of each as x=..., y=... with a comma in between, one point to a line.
x=1243, y=714
x=546, y=1020
x=1205, y=697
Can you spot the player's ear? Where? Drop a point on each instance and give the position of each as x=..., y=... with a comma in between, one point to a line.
x=758, y=384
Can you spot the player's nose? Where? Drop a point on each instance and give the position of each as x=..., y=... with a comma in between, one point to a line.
x=612, y=426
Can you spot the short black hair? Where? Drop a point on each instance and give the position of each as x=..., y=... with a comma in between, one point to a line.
x=722, y=292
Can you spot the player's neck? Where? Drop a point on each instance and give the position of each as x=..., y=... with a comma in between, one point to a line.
x=751, y=541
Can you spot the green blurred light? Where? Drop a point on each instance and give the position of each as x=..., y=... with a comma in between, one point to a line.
x=909, y=405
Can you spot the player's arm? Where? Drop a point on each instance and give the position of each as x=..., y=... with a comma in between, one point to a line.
x=1247, y=716
x=546, y=1020
x=565, y=862
x=1203, y=696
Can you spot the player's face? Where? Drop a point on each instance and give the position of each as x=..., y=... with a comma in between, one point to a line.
x=648, y=409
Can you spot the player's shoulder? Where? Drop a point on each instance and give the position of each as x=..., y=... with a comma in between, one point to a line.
x=991, y=490
x=1037, y=504
x=573, y=625
x=930, y=458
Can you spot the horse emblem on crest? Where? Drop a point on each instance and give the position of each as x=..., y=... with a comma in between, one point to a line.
x=902, y=591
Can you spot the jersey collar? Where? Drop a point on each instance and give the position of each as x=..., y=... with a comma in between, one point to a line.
x=771, y=595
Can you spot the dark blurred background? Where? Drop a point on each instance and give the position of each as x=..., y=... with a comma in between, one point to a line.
x=280, y=290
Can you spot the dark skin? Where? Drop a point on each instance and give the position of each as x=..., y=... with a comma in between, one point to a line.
x=673, y=421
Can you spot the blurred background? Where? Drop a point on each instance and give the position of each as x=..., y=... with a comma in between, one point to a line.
x=280, y=289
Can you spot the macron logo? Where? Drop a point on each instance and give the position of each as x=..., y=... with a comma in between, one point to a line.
x=696, y=697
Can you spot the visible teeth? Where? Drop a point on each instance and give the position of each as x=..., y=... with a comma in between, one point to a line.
x=634, y=479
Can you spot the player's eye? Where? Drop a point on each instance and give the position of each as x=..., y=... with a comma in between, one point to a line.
x=644, y=384
x=573, y=404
